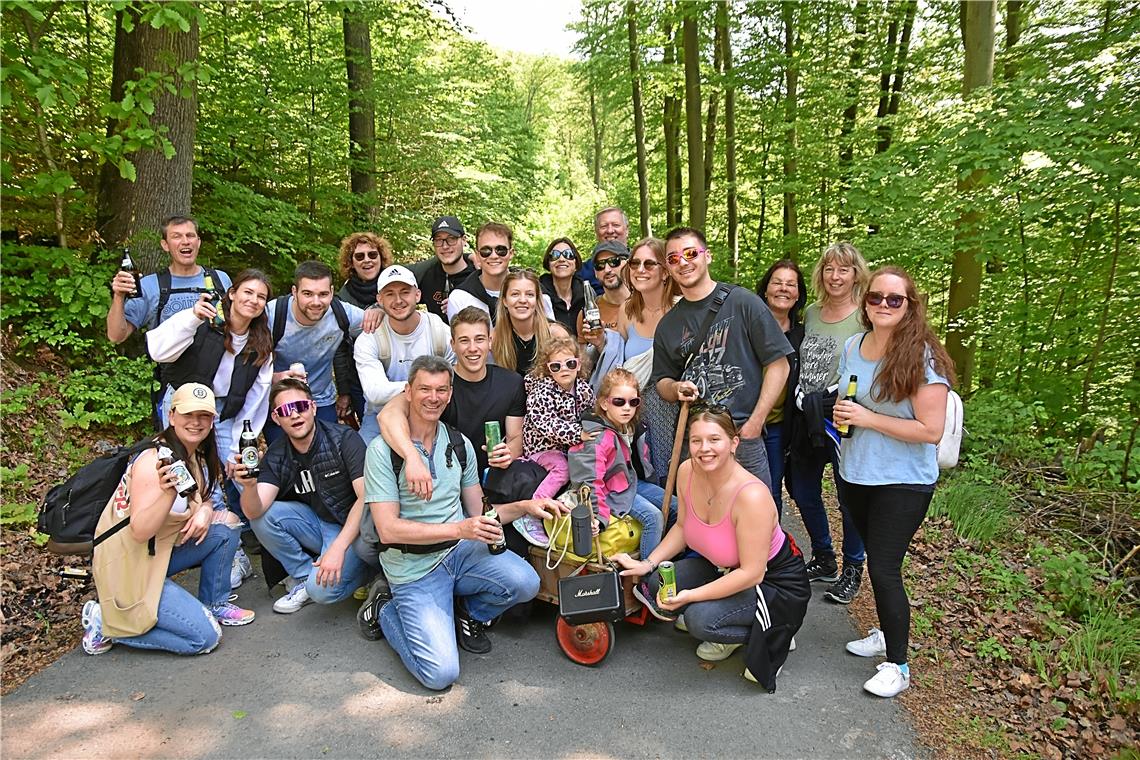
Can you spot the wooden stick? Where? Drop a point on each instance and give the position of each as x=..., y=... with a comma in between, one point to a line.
x=674, y=463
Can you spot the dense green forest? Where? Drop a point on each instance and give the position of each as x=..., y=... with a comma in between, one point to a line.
x=991, y=148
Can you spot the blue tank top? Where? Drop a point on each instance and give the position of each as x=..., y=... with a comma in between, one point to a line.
x=635, y=345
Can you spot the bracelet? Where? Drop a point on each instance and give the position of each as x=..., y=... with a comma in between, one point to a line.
x=652, y=565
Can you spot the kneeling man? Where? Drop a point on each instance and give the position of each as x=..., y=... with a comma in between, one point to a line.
x=308, y=500
x=435, y=551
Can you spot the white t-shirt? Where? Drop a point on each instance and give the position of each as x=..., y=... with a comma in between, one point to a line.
x=381, y=382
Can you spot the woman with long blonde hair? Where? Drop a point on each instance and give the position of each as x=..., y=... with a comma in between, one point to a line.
x=521, y=329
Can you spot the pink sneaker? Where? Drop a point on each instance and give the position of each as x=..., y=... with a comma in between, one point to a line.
x=230, y=614
x=94, y=642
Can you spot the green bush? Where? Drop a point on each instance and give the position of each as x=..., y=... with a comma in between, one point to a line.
x=116, y=392
x=1070, y=581
x=54, y=297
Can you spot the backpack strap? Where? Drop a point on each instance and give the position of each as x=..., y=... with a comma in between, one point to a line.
x=165, y=290
x=455, y=443
x=280, y=316
x=440, y=334
x=341, y=315
x=723, y=289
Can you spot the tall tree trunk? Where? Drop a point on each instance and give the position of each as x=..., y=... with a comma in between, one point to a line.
x=1102, y=323
x=310, y=176
x=596, y=128
x=131, y=212
x=1013, y=19
x=729, y=137
x=710, y=119
x=791, y=78
x=698, y=202
x=671, y=123
x=846, y=141
x=638, y=117
x=361, y=114
x=884, y=131
x=966, y=274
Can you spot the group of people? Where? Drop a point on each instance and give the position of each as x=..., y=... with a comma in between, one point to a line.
x=377, y=475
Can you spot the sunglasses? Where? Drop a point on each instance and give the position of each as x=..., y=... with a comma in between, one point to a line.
x=894, y=300
x=709, y=406
x=557, y=366
x=562, y=253
x=647, y=264
x=620, y=402
x=293, y=407
x=611, y=263
x=444, y=242
x=362, y=255
x=688, y=254
x=521, y=270
x=500, y=250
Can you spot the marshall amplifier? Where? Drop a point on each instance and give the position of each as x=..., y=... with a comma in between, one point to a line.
x=591, y=598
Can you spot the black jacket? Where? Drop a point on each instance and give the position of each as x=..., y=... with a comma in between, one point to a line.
x=199, y=363
x=567, y=316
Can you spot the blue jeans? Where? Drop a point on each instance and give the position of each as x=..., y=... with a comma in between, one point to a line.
x=272, y=431
x=774, y=446
x=752, y=456
x=419, y=622
x=727, y=620
x=292, y=532
x=805, y=485
x=369, y=427
x=647, y=511
x=185, y=625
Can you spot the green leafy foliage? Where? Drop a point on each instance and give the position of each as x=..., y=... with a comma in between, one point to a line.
x=114, y=394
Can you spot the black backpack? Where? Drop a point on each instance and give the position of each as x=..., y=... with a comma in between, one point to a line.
x=71, y=510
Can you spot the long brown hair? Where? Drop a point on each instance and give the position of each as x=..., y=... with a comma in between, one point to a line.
x=206, y=454
x=260, y=340
x=903, y=369
x=635, y=304
x=503, y=342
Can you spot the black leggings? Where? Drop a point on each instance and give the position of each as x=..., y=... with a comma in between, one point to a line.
x=887, y=517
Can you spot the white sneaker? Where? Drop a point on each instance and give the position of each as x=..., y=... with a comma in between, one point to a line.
x=713, y=651
x=792, y=646
x=875, y=645
x=679, y=624
x=293, y=601
x=889, y=681
x=241, y=569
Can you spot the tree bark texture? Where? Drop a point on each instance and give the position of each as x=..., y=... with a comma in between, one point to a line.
x=729, y=137
x=710, y=119
x=638, y=117
x=698, y=204
x=596, y=129
x=791, y=78
x=671, y=122
x=131, y=212
x=894, y=98
x=361, y=115
x=966, y=273
x=850, y=114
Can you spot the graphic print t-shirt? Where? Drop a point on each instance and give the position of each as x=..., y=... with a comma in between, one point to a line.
x=821, y=349
x=728, y=368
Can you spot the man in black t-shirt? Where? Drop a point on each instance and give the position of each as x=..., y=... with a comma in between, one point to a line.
x=307, y=500
x=438, y=276
x=743, y=344
x=481, y=393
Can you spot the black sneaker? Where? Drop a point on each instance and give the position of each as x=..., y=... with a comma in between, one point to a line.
x=368, y=617
x=823, y=568
x=641, y=591
x=847, y=588
x=470, y=632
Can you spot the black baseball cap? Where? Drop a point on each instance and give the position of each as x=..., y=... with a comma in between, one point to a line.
x=447, y=224
x=611, y=246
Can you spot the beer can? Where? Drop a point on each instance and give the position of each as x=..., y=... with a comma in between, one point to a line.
x=493, y=435
x=668, y=588
x=297, y=368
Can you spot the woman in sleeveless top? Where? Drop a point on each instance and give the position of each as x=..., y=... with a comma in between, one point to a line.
x=749, y=587
x=139, y=605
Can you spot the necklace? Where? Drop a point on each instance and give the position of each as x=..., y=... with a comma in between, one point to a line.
x=714, y=493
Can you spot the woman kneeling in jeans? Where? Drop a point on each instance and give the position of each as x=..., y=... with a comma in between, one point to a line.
x=752, y=588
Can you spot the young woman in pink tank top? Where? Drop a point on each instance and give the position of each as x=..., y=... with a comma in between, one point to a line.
x=749, y=588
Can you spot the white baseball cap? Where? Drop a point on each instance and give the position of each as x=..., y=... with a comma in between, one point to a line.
x=396, y=273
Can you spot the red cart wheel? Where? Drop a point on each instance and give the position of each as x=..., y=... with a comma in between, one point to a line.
x=587, y=644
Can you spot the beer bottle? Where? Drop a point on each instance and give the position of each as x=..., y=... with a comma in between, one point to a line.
x=500, y=545
x=128, y=265
x=185, y=484
x=248, y=449
x=591, y=314
x=219, y=320
x=845, y=430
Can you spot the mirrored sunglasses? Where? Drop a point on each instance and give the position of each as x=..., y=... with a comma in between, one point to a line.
x=293, y=407
x=562, y=253
x=688, y=254
x=557, y=366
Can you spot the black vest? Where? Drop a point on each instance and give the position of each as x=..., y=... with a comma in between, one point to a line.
x=199, y=363
x=474, y=286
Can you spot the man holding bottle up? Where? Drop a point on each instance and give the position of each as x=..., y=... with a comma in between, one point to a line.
x=437, y=549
